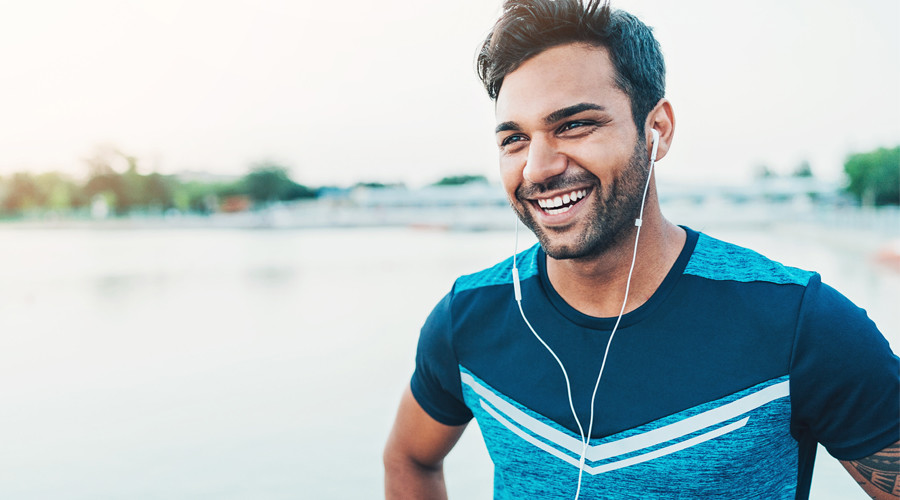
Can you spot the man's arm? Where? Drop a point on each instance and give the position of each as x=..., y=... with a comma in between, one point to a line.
x=415, y=451
x=878, y=474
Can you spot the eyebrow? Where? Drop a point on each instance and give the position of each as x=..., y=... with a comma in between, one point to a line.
x=503, y=127
x=566, y=112
x=555, y=116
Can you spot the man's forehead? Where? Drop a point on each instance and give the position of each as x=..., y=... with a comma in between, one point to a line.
x=557, y=78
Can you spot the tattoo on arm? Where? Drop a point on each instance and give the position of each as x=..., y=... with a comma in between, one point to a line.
x=882, y=469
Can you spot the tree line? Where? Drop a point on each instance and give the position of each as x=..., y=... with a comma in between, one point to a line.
x=131, y=192
x=873, y=179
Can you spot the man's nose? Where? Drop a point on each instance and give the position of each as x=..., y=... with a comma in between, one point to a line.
x=544, y=162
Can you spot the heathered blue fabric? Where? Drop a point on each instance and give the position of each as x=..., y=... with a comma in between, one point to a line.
x=717, y=260
x=725, y=322
x=501, y=274
x=758, y=460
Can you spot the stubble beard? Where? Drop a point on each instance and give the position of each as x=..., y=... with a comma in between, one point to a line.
x=612, y=214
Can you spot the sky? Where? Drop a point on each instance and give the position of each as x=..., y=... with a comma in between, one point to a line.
x=343, y=92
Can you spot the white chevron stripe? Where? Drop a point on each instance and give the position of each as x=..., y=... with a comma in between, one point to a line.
x=528, y=437
x=523, y=419
x=599, y=469
x=630, y=444
x=687, y=443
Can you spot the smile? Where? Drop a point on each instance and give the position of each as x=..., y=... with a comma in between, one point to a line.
x=561, y=204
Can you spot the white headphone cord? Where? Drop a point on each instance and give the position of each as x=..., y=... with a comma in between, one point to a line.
x=558, y=361
x=638, y=222
x=585, y=437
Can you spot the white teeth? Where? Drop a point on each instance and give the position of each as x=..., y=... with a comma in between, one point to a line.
x=551, y=205
x=554, y=211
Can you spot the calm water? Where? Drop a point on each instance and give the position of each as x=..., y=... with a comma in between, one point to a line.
x=255, y=364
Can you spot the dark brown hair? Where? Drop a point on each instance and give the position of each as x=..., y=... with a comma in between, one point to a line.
x=529, y=27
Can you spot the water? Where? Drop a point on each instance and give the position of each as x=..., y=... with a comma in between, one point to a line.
x=242, y=364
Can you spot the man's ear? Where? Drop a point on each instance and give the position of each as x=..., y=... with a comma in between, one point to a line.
x=661, y=118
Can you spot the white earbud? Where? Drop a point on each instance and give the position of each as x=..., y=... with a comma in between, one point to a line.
x=655, y=143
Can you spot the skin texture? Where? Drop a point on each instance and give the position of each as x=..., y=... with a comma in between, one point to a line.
x=415, y=451
x=878, y=474
x=564, y=126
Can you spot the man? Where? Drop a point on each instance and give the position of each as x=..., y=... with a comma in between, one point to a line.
x=631, y=358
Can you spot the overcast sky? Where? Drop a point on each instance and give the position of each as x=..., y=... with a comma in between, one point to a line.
x=385, y=90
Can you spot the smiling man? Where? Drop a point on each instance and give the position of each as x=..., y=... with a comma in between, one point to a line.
x=625, y=356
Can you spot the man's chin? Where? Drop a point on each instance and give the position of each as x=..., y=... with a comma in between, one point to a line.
x=560, y=246
x=558, y=251
x=583, y=244
x=559, y=242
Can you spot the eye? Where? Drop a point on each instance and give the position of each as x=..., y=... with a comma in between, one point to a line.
x=512, y=139
x=575, y=125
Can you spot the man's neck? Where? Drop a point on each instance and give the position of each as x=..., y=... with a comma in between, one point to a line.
x=596, y=286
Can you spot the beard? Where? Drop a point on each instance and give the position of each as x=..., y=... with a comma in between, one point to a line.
x=611, y=218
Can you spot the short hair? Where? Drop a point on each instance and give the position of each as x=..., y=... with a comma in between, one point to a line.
x=529, y=27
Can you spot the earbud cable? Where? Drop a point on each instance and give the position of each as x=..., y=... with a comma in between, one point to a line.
x=585, y=437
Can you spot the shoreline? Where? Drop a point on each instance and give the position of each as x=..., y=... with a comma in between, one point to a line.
x=473, y=217
x=870, y=233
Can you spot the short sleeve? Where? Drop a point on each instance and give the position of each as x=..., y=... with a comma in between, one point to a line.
x=845, y=381
x=435, y=383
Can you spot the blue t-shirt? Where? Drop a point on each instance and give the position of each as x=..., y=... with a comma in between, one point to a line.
x=719, y=386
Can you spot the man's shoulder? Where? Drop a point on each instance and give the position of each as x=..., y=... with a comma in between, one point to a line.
x=500, y=273
x=719, y=260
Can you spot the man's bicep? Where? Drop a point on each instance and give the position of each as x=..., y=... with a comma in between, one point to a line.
x=879, y=473
x=419, y=437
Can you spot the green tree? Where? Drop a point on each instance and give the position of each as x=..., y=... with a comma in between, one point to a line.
x=764, y=172
x=379, y=185
x=127, y=189
x=458, y=180
x=803, y=170
x=110, y=186
x=22, y=194
x=158, y=191
x=60, y=193
x=203, y=197
x=874, y=177
x=269, y=182
x=104, y=181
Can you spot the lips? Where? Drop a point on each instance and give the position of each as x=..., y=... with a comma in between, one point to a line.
x=561, y=203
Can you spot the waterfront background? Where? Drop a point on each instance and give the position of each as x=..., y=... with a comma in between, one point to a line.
x=223, y=223
x=151, y=362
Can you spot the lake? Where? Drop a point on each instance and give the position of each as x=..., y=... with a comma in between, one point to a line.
x=261, y=364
